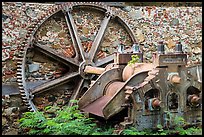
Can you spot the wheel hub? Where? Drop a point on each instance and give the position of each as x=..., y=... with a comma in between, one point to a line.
x=82, y=67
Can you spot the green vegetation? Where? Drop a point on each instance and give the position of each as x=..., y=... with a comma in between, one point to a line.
x=70, y=121
x=135, y=59
x=59, y=121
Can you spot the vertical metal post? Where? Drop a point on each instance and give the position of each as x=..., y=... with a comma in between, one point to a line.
x=121, y=48
x=160, y=48
x=135, y=48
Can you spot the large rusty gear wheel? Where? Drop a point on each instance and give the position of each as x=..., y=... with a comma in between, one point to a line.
x=71, y=56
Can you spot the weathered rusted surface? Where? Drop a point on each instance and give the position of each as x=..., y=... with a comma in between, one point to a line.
x=149, y=91
x=175, y=79
x=79, y=52
x=94, y=70
x=124, y=58
x=97, y=106
x=130, y=70
x=156, y=103
x=194, y=99
x=97, y=89
x=113, y=87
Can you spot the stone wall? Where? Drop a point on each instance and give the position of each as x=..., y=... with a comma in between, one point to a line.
x=12, y=110
x=149, y=23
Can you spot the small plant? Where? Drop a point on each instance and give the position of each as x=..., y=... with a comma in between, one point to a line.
x=67, y=121
x=133, y=131
x=70, y=121
x=135, y=59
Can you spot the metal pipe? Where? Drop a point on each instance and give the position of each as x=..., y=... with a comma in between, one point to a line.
x=94, y=70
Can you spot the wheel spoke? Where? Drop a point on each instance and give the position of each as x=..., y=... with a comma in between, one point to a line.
x=105, y=60
x=52, y=53
x=54, y=83
x=99, y=37
x=72, y=28
x=71, y=34
x=76, y=93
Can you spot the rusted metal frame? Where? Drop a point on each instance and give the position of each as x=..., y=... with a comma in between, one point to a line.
x=54, y=83
x=75, y=94
x=88, y=5
x=141, y=90
x=105, y=60
x=53, y=54
x=26, y=95
x=96, y=90
x=121, y=95
x=99, y=37
x=171, y=59
x=71, y=34
x=195, y=72
x=75, y=34
x=183, y=89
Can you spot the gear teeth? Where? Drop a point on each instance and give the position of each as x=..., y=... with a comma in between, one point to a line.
x=18, y=74
x=19, y=63
x=19, y=67
x=19, y=70
x=19, y=80
x=20, y=83
x=21, y=89
x=26, y=102
x=23, y=95
x=19, y=59
x=29, y=107
x=18, y=77
x=24, y=98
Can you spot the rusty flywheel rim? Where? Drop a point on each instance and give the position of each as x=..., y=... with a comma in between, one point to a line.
x=80, y=59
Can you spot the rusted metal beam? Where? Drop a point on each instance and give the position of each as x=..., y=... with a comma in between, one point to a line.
x=99, y=36
x=53, y=54
x=51, y=84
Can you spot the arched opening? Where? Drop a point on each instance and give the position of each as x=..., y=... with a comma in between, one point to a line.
x=172, y=101
x=148, y=98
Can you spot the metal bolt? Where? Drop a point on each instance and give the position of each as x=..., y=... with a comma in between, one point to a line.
x=178, y=48
x=156, y=103
x=194, y=99
x=175, y=79
x=160, y=49
x=121, y=48
x=135, y=48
